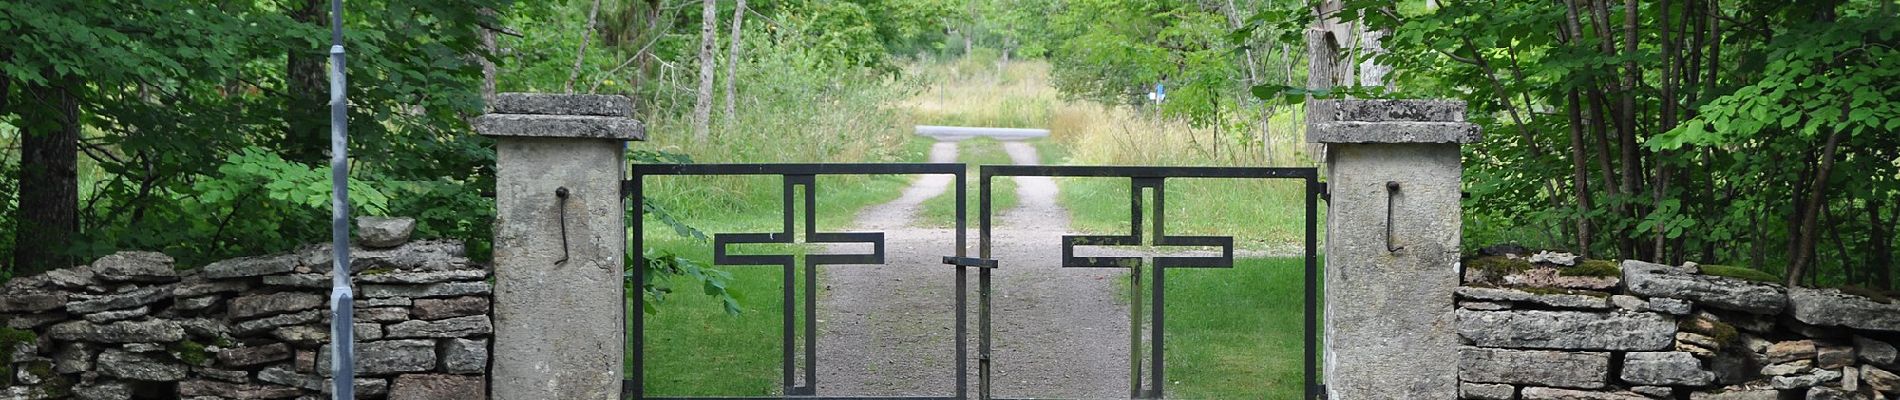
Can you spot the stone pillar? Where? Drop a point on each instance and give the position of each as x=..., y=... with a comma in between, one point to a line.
x=560, y=243
x=1390, y=331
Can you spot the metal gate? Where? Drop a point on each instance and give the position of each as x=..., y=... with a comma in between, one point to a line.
x=795, y=385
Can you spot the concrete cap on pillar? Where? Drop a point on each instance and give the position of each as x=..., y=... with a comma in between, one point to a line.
x=581, y=116
x=1388, y=121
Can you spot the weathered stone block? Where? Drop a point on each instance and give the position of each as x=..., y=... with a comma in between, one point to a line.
x=1534, y=367
x=561, y=126
x=216, y=389
x=116, y=315
x=146, y=331
x=1829, y=307
x=1880, y=380
x=382, y=314
x=385, y=357
x=1576, y=301
x=452, y=327
x=1569, y=330
x=384, y=232
x=197, y=285
x=248, y=327
x=135, y=266
x=1808, y=380
x=81, y=304
x=103, y=389
x=464, y=356
x=1876, y=352
x=272, y=304
x=1544, y=393
x=32, y=303
x=1392, y=132
x=444, y=289
x=1670, y=306
x=1788, y=368
x=1484, y=391
x=1829, y=356
x=308, y=281
x=434, y=309
x=424, y=277
x=254, y=355
x=365, y=387
x=1792, y=350
x=437, y=387
x=1669, y=368
x=1656, y=280
x=1736, y=393
x=250, y=266
x=139, y=366
x=303, y=336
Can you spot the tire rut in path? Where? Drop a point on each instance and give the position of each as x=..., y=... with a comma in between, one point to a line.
x=888, y=330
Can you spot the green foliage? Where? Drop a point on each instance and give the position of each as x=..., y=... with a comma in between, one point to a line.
x=661, y=264
x=1722, y=332
x=1739, y=273
x=9, y=339
x=1717, y=153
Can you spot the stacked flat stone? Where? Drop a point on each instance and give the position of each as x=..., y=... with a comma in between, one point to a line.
x=1671, y=332
x=250, y=328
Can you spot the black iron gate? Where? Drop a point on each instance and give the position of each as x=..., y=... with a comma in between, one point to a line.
x=1153, y=179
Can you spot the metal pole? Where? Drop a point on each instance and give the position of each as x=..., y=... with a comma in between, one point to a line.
x=342, y=335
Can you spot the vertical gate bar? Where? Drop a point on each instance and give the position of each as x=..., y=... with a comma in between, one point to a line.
x=1134, y=293
x=789, y=309
x=963, y=308
x=1156, y=326
x=983, y=287
x=637, y=334
x=811, y=289
x=1312, y=287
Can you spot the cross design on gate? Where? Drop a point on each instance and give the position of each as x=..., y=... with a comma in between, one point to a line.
x=1161, y=264
x=721, y=247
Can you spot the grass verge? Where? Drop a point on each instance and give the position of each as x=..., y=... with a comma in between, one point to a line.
x=1214, y=352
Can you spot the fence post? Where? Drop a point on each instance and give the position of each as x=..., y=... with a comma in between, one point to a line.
x=1392, y=236
x=560, y=243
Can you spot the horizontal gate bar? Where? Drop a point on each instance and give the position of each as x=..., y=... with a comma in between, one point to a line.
x=797, y=169
x=1149, y=172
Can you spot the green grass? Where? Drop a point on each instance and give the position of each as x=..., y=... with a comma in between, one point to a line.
x=1215, y=352
x=941, y=211
x=1257, y=213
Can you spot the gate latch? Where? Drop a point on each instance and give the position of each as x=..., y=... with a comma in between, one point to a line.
x=969, y=262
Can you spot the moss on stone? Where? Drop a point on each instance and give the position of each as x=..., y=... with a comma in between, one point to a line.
x=1720, y=331
x=1499, y=264
x=1593, y=268
x=188, y=351
x=1740, y=273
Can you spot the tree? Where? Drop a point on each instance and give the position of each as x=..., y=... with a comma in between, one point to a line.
x=732, y=60
x=708, y=40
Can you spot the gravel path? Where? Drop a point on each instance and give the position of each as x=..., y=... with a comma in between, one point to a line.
x=887, y=330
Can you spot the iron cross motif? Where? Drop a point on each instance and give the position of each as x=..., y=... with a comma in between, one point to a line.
x=1161, y=263
x=721, y=249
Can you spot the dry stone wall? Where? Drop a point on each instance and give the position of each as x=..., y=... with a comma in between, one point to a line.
x=1548, y=327
x=134, y=325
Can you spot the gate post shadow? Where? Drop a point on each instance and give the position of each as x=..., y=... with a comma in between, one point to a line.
x=560, y=244
x=1392, y=236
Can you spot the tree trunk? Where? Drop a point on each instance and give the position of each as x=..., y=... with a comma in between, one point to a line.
x=732, y=62
x=49, y=185
x=587, y=32
x=1579, y=174
x=306, y=116
x=488, y=66
x=1805, y=237
x=1880, y=270
x=708, y=39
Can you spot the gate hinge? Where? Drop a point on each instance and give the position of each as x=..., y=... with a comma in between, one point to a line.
x=1324, y=190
